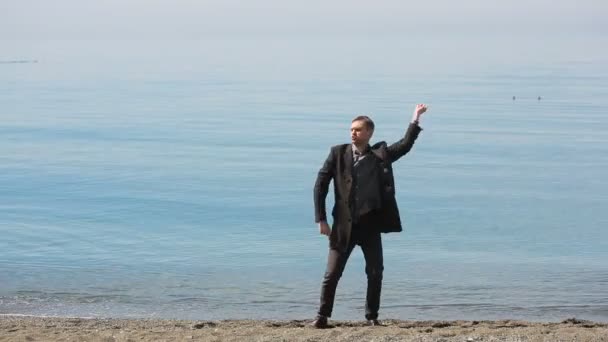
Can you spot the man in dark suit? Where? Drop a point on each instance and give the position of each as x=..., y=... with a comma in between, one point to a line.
x=365, y=207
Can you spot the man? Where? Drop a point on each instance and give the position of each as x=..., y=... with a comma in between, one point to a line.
x=365, y=207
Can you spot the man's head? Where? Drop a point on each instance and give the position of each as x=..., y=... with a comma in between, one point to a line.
x=361, y=130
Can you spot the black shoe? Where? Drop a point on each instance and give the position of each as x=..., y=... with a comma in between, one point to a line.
x=320, y=322
x=374, y=323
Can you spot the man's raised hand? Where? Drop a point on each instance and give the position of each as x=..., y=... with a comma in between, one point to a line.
x=419, y=110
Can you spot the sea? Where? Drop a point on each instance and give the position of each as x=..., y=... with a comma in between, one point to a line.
x=173, y=179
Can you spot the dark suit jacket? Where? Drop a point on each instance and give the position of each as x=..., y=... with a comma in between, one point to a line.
x=338, y=166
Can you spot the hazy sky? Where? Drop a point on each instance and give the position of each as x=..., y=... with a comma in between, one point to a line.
x=191, y=19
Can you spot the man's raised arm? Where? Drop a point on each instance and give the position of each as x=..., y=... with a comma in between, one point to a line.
x=403, y=146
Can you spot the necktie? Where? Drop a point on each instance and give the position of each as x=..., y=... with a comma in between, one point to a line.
x=357, y=156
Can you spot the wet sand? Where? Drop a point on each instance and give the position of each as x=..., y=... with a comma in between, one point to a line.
x=25, y=328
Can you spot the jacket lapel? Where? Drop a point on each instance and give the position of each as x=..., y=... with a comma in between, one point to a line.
x=378, y=154
x=348, y=167
x=379, y=150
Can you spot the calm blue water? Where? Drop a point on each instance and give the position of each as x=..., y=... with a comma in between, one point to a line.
x=175, y=180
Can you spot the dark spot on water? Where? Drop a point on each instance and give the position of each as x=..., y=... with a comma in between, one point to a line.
x=75, y=321
x=509, y=324
x=583, y=323
x=575, y=321
x=289, y=324
x=203, y=325
x=441, y=325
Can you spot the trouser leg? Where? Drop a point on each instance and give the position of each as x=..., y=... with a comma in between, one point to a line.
x=336, y=261
x=374, y=266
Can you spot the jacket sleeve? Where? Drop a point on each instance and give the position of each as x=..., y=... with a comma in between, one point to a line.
x=324, y=177
x=403, y=146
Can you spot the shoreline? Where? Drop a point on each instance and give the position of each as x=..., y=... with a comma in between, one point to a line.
x=32, y=328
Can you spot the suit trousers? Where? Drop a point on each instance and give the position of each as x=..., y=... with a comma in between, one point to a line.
x=365, y=235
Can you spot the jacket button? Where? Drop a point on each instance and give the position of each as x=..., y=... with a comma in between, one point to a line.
x=385, y=170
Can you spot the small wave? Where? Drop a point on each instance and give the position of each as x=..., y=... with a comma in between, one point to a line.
x=20, y=61
x=43, y=316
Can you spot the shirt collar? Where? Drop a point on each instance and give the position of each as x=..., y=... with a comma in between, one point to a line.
x=366, y=150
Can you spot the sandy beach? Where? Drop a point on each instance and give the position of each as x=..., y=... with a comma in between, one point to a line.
x=25, y=328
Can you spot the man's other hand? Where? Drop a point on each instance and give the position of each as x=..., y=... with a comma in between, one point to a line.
x=324, y=228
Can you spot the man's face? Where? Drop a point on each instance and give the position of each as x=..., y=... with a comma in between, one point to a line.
x=359, y=133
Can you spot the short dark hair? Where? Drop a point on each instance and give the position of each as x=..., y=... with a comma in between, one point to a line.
x=368, y=122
